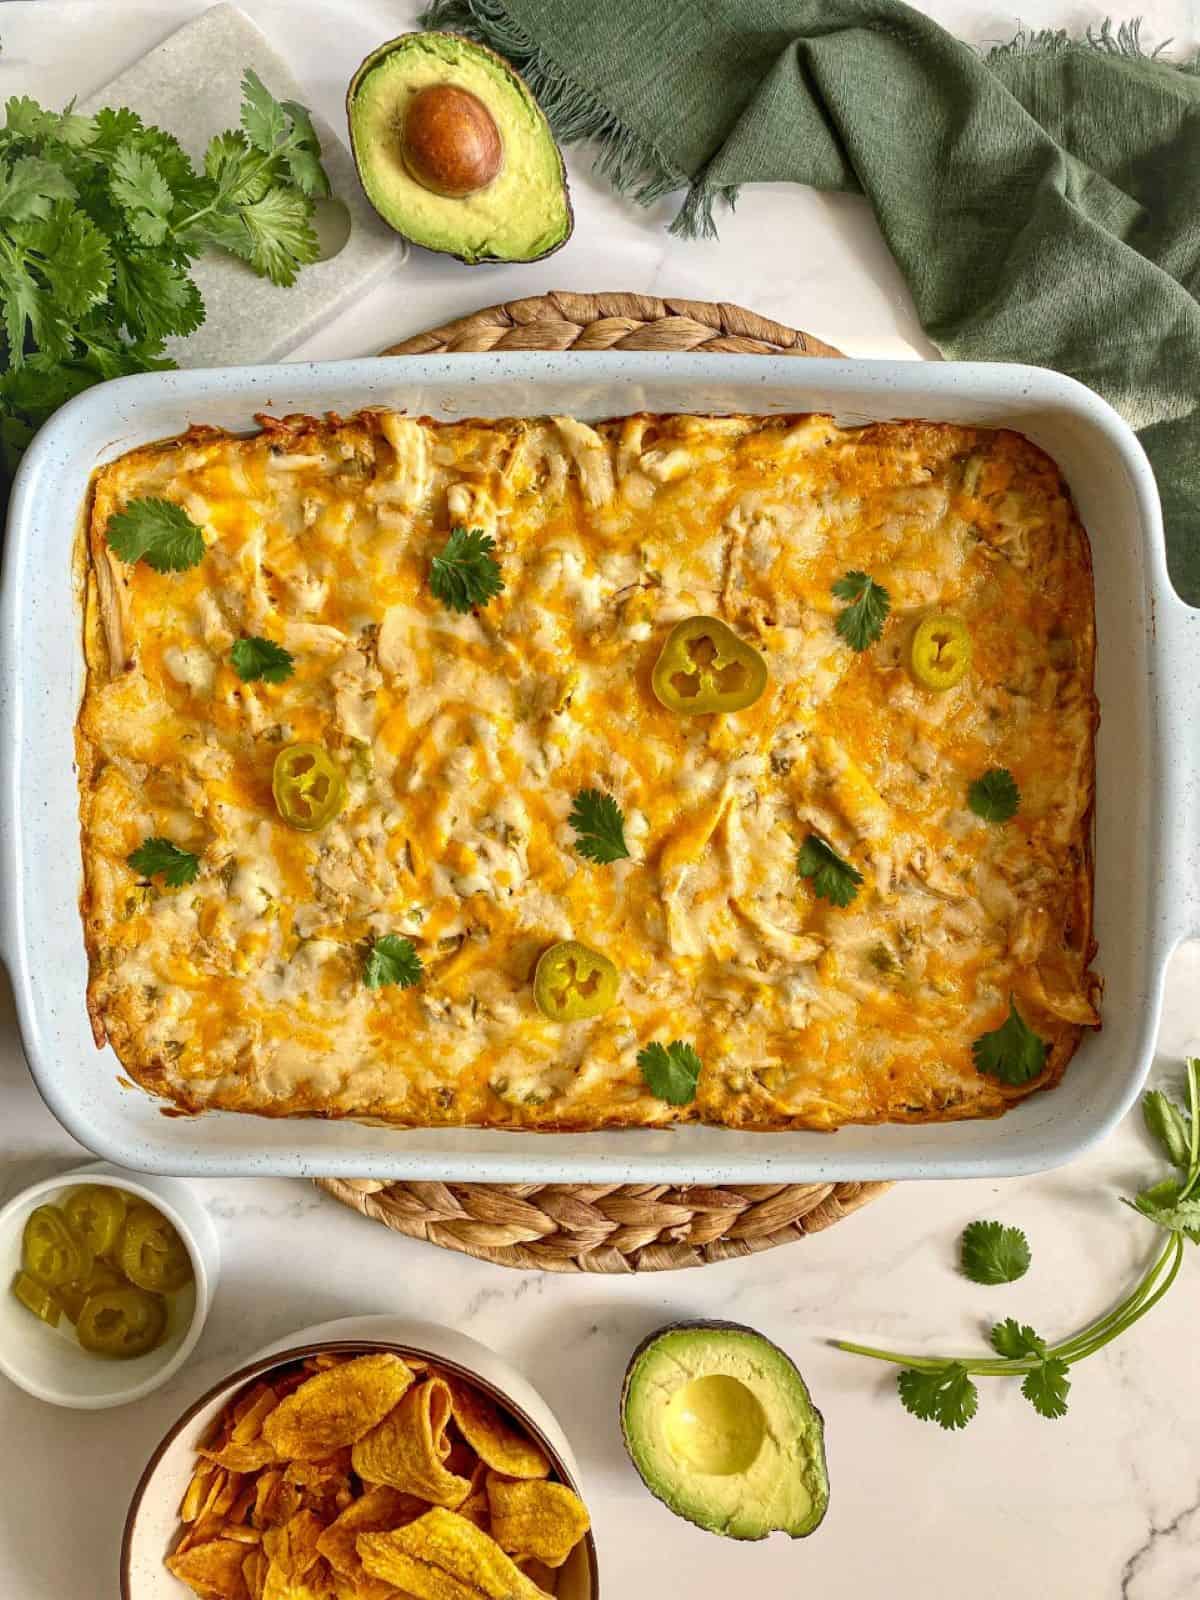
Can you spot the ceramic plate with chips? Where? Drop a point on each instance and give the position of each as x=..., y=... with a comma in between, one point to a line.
x=367, y=1458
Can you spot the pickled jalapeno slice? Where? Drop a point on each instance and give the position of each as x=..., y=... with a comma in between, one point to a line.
x=705, y=667
x=309, y=786
x=941, y=651
x=572, y=982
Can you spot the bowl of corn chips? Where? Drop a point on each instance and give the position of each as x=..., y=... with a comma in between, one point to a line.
x=367, y=1459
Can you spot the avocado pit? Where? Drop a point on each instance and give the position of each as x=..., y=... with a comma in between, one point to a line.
x=450, y=142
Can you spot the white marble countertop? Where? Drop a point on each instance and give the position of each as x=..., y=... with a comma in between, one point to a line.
x=1102, y=1504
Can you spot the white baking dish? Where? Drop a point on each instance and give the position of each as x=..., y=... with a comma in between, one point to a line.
x=1148, y=813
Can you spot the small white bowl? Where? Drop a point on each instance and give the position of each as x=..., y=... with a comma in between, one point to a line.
x=153, y=1519
x=49, y=1362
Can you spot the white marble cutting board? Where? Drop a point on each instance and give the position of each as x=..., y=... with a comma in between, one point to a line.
x=190, y=85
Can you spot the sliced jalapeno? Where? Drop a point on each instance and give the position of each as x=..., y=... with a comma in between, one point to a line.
x=51, y=1250
x=35, y=1297
x=941, y=651
x=152, y=1255
x=309, y=786
x=73, y=1296
x=122, y=1322
x=96, y=1212
x=572, y=982
x=704, y=667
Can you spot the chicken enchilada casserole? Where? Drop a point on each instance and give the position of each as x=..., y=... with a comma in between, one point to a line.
x=550, y=775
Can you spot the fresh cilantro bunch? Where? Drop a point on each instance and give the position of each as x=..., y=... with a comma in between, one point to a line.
x=941, y=1389
x=100, y=219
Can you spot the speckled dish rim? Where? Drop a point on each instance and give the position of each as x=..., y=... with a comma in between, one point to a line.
x=282, y=1358
x=1148, y=772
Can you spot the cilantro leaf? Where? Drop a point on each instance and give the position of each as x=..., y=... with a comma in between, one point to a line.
x=670, y=1071
x=466, y=574
x=1012, y=1052
x=992, y=1253
x=1046, y=1388
x=1163, y=1205
x=600, y=824
x=157, y=532
x=392, y=960
x=255, y=658
x=160, y=856
x=156, y=299
x=944, y=1395
x=138, y=186
x=73, y=257
x=238, y=174
x=263, y=118
x=861, y=623
x=832, y=878
x=303, y=152
x=30, y=186
x=1170, y=1126
x=1016, y=1340
x=280, y=236
x=995, y=796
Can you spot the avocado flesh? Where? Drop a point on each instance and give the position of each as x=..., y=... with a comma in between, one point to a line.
x=720, y=1425
x=523, y=214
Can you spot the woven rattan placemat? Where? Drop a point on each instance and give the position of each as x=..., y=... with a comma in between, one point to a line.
x=607, y=1227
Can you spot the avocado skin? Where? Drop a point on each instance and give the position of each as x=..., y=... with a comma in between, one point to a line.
x=717, y=1325
x=509, y=71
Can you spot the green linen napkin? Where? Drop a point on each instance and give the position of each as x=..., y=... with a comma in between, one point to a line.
x=1042, y=202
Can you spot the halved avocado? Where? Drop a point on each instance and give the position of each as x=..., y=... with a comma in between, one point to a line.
x=720, y=1425
x=455, y=153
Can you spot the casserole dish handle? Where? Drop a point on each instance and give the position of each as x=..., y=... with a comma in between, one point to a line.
x=1179, y=711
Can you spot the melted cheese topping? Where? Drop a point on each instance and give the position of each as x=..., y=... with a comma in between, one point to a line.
x=465, y=738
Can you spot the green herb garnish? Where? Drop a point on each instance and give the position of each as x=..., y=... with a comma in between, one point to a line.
x=992, y=1253
x=158, y=856
x=832, y=878
x=995, y=797
x=861, y=623
x=599, y=824
x=157, y=532
x=671, y=1071
x=392, y=960
x=1012, y=1052
x=941, y=1389
x=466, y=574
x=100, y=219
x=942, y=1394
x=255, y=658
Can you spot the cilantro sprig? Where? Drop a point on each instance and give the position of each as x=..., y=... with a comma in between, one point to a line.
x=670, y=1071
x=832, y=878
x=599, y=825
x=991, y=1253
x=466, y=574
x=159, y=857
x=100, y=220
x=1012, y=1052
x=860, y=624
x=995, y=796
x=392, y=960
x=158, y=532
x=942, y=1389
x=256, y=658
